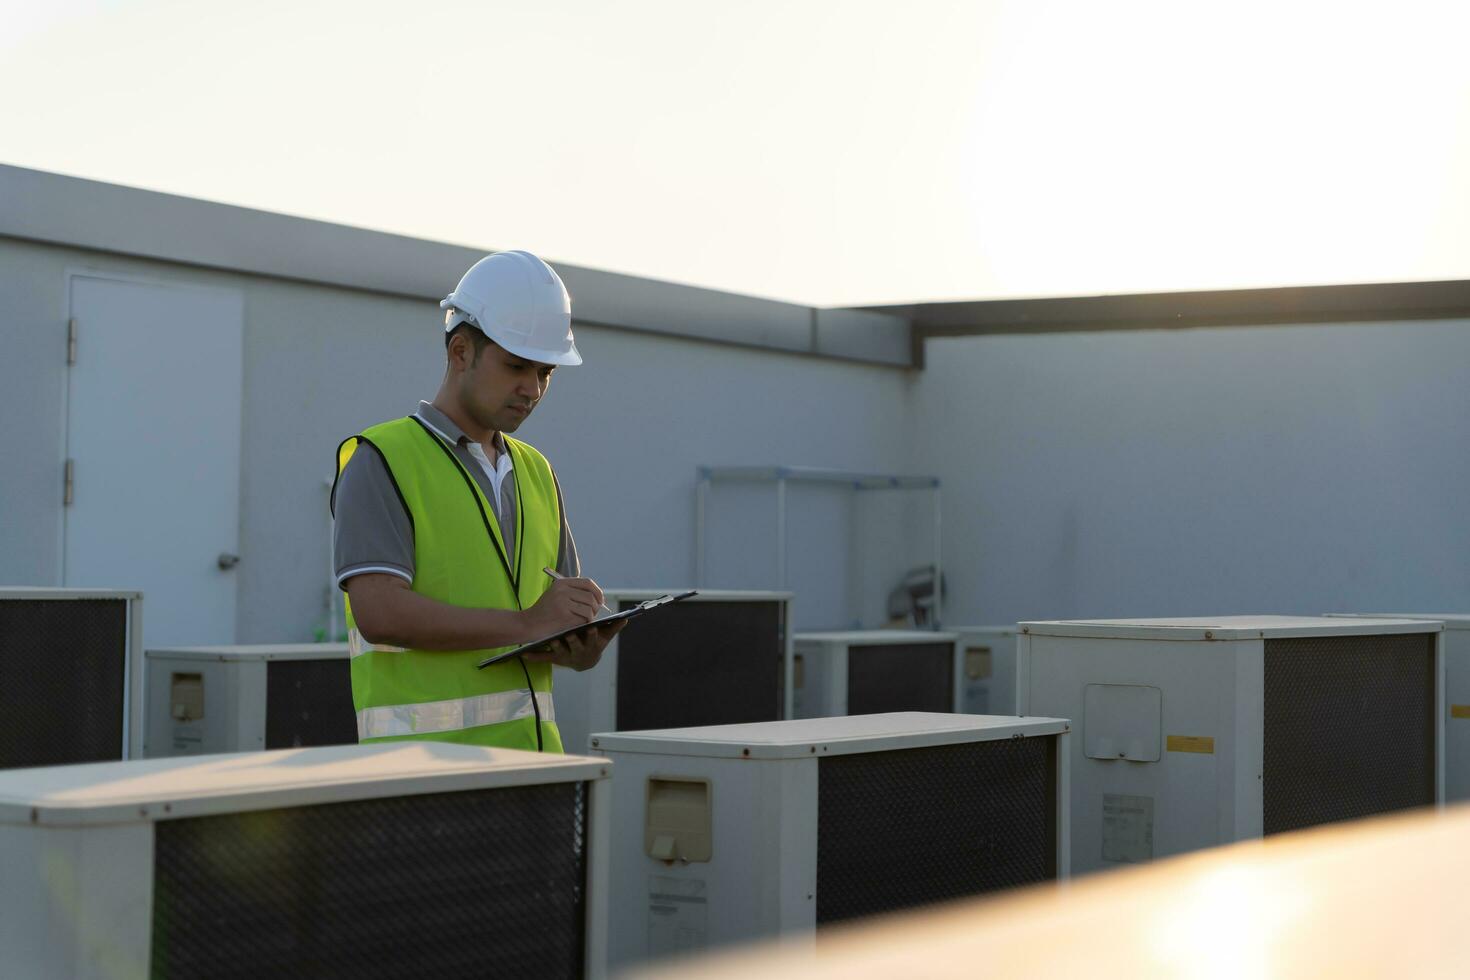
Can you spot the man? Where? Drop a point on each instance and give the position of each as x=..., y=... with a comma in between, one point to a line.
x=444, y=526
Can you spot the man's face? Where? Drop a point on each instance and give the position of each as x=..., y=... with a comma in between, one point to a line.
x=498, y=389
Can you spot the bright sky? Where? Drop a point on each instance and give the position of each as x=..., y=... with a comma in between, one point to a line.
x=835, y=153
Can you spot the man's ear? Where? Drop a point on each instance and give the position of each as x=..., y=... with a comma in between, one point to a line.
x=459, y=351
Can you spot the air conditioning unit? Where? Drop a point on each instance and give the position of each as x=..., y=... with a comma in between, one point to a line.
x=71, y=676
x=988, y=669
x=388, y=860
x=719, y=658
x=1456, y=700
x=1196, y=732
x=203, y=700
x=739, y=832
x=871, y=671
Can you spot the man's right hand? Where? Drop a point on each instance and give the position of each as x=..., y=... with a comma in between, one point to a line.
x=569, y=602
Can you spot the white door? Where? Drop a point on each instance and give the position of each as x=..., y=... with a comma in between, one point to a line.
x=153, y=436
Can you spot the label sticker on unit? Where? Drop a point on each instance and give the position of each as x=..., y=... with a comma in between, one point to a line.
x=677, y=915
x=1460, y=711
x=1127, y=828
x=1203, y=744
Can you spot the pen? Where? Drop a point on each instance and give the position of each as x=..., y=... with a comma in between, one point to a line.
x=557, y=575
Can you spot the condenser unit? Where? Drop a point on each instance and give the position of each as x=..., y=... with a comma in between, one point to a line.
x=738, y=832
x=988, y=669
x=870, y=671
x=244, y=698
x=1196, y=732
x=390, y=860
x=716, y=659
x=1455, y=704
x=71, y=676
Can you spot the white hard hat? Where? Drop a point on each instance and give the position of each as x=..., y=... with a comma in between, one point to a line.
x=519, y=302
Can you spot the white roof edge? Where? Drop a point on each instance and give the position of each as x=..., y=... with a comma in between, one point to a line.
x=94, y=215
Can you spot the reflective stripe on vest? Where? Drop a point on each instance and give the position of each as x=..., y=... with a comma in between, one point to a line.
x=448, y=716
x=357, y=645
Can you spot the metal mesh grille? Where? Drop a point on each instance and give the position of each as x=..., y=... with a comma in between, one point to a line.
x=489, y=883
x=905, y=828
x=901, y=677
x=701, y=663
x=63, y=676
x=1349, y=728
x=309, y=702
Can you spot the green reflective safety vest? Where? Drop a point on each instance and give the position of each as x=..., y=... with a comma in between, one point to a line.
x=459, y=559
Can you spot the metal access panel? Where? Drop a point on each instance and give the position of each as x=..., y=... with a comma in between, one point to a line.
x=247, y=698
x=735, y=833
x=349, y=861
x=876, y=671
x=1203, y=731
x=987, y=669
x=70, y=676
x=719, y=658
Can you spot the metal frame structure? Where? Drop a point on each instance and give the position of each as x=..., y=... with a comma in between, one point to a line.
x=781, y=476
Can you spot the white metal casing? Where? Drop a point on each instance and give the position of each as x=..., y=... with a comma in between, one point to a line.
x=987, y=669
x=77, y=845
x=1456, y=701
x=586, y=701
x=234, y=680
x=761, y=881
x=130, y=739
x=821, y=685
x=1209, y=675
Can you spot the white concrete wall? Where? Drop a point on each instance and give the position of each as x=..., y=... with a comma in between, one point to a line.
x=626, y=432
x=1232, y=470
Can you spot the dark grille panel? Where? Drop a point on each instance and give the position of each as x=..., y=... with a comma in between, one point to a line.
x=63, y=674
x=901, y=677
x=905, y=828
x=1349, y=728
x=309, y=702
x=701, y=663
x=489, y=883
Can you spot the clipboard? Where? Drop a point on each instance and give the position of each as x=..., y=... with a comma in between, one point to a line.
x=638, y=610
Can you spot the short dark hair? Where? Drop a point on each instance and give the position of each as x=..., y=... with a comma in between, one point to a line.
x=475, y=334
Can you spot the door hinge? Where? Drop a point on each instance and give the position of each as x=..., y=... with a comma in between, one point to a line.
x=68, y=482
x=71, y=341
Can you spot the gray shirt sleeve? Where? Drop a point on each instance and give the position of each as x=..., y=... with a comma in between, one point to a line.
x=372, y=531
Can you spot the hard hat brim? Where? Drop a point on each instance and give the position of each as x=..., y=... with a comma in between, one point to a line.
x=567, y=358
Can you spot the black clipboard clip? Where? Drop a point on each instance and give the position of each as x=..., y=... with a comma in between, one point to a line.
x=629, y=613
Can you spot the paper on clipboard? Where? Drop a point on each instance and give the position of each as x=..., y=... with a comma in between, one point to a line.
x=629, y=613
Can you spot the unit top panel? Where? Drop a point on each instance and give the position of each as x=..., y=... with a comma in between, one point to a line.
x=1452, y=621
x=191, y=786
x=705, y=595
x=872, y=638
x=987, y=630
x=807, y=737
x=264, y=651
x=43, y=592
x=1224, y=627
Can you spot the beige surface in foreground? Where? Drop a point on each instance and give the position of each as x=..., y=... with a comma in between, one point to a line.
x=1379, y=898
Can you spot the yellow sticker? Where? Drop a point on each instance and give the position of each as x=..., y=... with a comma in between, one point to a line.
x=1460, y=711
x=1203, y=744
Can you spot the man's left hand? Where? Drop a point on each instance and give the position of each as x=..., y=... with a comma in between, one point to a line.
x=579, y=651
